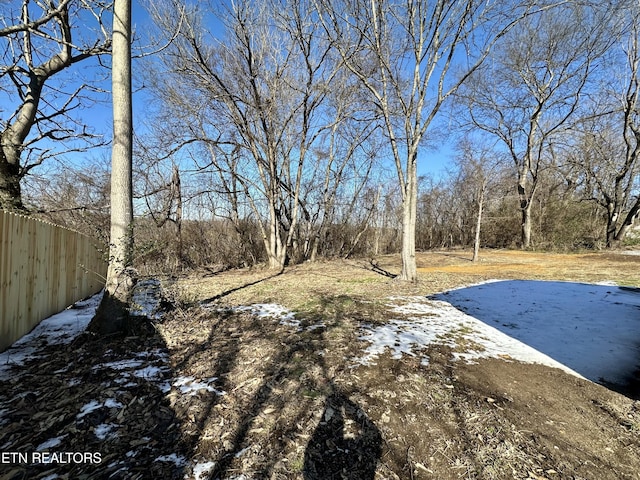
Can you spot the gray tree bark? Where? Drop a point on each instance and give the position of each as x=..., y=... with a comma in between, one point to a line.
x=112, y=315
x=476, y=240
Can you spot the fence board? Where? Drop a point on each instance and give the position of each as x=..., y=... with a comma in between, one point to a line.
x=44, y=268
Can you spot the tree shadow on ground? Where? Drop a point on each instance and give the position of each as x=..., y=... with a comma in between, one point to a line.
x=376, y=268
x=344, y=445
x=277, y=393
x=99, y=395
x=219, y=296
x=592, y=329
x=261, y=390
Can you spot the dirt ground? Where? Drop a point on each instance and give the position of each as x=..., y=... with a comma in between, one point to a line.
x=291, y=403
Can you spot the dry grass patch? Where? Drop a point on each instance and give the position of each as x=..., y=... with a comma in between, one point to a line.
x=516, y=264
x=320, y=286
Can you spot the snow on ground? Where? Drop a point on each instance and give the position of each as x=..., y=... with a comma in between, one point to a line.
x=152, y=366
x=272, y=310
x=591, y=329
x=53, y=442
x=190, y=386
x=202, y=470
x=179, y=460
x=587, y=330
x=423, y=322
x=146, y=299
x=61, y=328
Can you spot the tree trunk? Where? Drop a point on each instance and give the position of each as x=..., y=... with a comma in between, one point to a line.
x=476, y=241
x=276, y=251
x=409, y=212
x=525, y=210
x=177, y=194
x=617, y=237
x=612, y=221
x=526, y=226
x=10, y=192
x=112, y=315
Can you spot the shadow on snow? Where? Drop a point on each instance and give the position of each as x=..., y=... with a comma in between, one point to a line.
x=592, y=329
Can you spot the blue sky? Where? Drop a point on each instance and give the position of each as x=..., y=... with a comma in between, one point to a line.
x=98, y=115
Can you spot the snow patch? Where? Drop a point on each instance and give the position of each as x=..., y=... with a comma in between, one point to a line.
x=72, y=382
x=104, y=431
x=150, y=366
x=95, y=405
x=150, y=372
x=53, y=442
x=179, y=461
x=437, y=322
x=271, y=310
x=201, y=470
x=120, y=364
x=592, y=329
x=61, y=329
x=88, y=408
x=146, y=299
x=112, y=403
x=189, y=386
x=242, y=452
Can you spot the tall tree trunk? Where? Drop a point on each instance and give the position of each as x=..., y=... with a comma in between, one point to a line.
x=526, y=226
x=113, y=313
x=476, y=241
x=274, y=246
x=409, y=213
x=525, y=210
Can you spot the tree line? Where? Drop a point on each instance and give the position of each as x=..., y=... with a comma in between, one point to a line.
x=281, y=131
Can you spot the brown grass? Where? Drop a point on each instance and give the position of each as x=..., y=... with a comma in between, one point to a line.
x=303, y=287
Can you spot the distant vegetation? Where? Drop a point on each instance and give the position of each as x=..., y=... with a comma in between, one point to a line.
x=279, y=132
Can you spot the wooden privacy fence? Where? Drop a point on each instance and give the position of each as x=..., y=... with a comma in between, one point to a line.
x=44, y=268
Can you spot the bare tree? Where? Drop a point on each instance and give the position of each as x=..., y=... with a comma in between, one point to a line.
x=532, y=89
x=477, y=164
x=344, y=157
x=405, y=54
x=605, y=158
x=112, y=314
x=74, y=197
x=255, y=103
x=42, y=40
